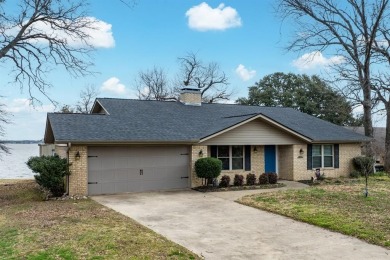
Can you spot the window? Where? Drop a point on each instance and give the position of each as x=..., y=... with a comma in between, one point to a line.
x=322, y=155
x=232, y=157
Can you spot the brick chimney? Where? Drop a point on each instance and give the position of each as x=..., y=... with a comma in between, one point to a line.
x=191, y=96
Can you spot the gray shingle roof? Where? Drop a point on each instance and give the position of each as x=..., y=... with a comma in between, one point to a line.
x=156, y=121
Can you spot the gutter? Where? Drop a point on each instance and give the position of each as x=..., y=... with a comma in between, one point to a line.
x=125, y=142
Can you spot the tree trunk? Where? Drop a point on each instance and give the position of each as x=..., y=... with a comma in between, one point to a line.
x=387, y=141
x=367, y=104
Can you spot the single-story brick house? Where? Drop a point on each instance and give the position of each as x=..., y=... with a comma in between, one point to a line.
x=132, y=145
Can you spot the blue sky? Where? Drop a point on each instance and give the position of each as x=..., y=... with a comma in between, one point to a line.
x=246, y=38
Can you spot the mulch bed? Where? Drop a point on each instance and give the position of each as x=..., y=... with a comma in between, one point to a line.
x=234, y=188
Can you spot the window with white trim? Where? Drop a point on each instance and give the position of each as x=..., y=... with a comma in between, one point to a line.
x=232, y=156
x=322, y=156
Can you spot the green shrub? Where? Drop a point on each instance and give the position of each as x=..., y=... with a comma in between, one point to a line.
x=208, y=168
x=50, y=172
x=268, y=178
x=250, y=179
x=380, y=174
x=225, y=181
x=364, y=165
x=354, y=174
x=238, y=180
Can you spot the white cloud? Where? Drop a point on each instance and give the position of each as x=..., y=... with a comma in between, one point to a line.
x=101, y=34
x=26, y=121
x=315, y=59
x=203, y=18
x=19, y=105
x=99, y=31
x=244, y=73
x=113, y=85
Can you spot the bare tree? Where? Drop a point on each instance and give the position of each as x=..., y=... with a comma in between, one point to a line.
x=3, y=121
x=87, y=98
x=209, y=78
x=66, y=109
x=381, y=86
x=346, y=28
x=42, y=35
x=154, y=85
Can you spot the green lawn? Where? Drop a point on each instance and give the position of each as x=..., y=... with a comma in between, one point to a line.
x=73, y=229
x=337, y=205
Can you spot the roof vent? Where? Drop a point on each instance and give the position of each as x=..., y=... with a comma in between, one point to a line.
x=191, y=96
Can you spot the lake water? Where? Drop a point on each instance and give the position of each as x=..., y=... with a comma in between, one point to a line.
x=13, y=166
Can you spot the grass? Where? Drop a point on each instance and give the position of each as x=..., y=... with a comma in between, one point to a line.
x=73, y=229
x=338, y=205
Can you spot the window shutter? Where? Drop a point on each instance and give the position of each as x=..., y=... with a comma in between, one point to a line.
x=309, y=157
x=336, y=155
x=247, y=157
x=213, y=151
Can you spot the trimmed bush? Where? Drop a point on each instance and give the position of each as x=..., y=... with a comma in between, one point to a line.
x=238, y=180
x=208, y=168
x=272, y=177
x=364, y=165
x=250, y=179
x=51, y=171
x=225, y=181
x=354, y=174
x=268, y=178
x=263, y=179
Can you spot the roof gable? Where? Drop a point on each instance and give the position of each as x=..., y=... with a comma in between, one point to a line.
x=255, y=131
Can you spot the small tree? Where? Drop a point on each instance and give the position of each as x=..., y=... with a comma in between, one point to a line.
x=51, y=171
x=208, y=168
x=365, y=165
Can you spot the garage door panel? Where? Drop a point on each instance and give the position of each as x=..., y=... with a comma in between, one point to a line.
x=121, y=162
x=94, y=164
x=136, y=169
x=121, y=175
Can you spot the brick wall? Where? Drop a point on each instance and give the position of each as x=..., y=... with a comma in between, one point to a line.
x=61, y=150
x=191, y=98
x=346, y=153
x=286, y=161
x=78, y=179
x=195, y=181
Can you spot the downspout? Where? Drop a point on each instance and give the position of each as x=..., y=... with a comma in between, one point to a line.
x=67, y=176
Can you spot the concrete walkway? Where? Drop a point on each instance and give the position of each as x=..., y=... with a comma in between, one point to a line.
x=212, y=225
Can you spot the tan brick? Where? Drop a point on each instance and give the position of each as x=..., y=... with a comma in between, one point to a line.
x=286, y=162
x=195, y=155
x=78, y=179
x=194, y=98
x=346, y=153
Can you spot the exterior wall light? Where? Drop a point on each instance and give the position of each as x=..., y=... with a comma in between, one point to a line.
x=201, y=153
x=301, y=152
x=78, y=155
x=255, y=149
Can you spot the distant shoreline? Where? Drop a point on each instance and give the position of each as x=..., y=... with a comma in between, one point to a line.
x=21, y=141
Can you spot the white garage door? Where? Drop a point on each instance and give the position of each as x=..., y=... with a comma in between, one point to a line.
x=134, y=169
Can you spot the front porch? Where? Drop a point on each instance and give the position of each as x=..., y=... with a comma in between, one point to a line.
x=291, y=162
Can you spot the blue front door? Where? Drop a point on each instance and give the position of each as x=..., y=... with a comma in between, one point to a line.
x=270, y=158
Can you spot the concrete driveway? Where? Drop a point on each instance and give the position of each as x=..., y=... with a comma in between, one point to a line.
x=216, y=227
